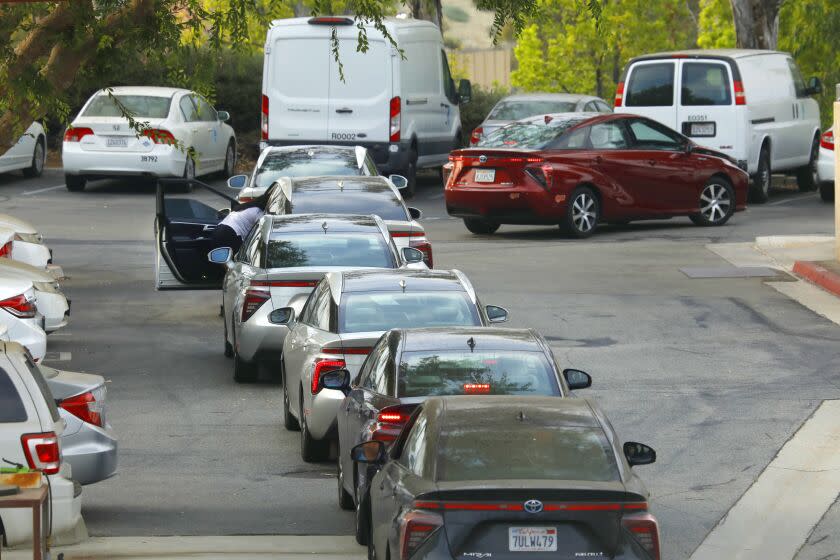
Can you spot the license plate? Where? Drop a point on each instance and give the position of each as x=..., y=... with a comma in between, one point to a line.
x=485, y=175
x=116, y=142
x=532, y=539
x=702, y=129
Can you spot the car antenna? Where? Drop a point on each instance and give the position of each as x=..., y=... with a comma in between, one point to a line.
x=325, y=226
x=402, y=285
x=471, y=343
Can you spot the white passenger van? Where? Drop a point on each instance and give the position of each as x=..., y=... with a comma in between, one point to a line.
x=752, y=105
x=401, y=106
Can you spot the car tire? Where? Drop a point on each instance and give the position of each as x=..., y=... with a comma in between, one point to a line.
x=345, y=499
x=760, y=185
x=808, y=177
x=74, y=183
x=228, y=345
x=717, y=203
x=827, y=192
x=243, y=372
x=582, y=212
x=39, y=157
x=230, y=160
x=289, y=421
x=363, y=521
x=480, y=226
x=311, y=450
x=189, y=173
x=411, y=175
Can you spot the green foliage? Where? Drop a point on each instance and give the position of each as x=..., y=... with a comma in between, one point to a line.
x=716, y=28
x=474, y=112
x=456, y=13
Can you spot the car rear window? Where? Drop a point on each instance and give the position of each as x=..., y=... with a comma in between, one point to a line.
x=148, y=106
x=533, y=134
x=344, y=249
x=651, y=85
x=524, y=451
x=705, y=84
x=384, y=204
x=516, y=110
x=44, y=388
x=306, y=163
x=469, y=373
x=11, y=405
x=363, y=312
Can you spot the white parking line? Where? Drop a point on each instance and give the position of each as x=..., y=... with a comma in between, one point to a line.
x=45, y=189
x=791, y=199
x=777, y=513
x=58, y=356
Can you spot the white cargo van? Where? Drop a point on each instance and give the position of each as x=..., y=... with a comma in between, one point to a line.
x=403, y=109
x=753, y=105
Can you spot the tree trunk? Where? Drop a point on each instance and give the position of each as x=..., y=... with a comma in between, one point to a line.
x=756, y=23
x=430, y=10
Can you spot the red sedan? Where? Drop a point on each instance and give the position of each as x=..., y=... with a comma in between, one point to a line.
x=580, y=169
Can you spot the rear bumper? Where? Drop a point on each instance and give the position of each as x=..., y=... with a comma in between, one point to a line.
x=92, y=452
x=66, y=506
x=321, y=417
x=33, y=254
x=506, y=205
x=29, y=333
x=162, y=161
x=258, y=338
x=390, y=157
x=54, y=308
x=825, y=165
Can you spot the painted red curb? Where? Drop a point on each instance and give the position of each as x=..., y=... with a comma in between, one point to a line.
x=819, y=275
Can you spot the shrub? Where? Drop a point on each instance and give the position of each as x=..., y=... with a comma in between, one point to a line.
x=456, y=14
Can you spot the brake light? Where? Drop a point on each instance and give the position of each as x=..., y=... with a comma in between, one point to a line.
x=476, y=135
x=619, y=94
x=740, y=96
x=426, y=248
x=498, y=160
x=477, y=388
x=330, y=20
x=84, y=407
x=19, y=306
x=389, y=422
x=160, y=136
x=42, y=452
x=255, y=296
x=76, y=134
x=6, y=250
x=646, y=530
x=826, y=141
x=321, y=366
x=415, y=528
x=395, y=119
x=264, y=118
x=285, y=283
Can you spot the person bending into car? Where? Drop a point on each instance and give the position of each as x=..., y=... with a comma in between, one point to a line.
x=238, y=224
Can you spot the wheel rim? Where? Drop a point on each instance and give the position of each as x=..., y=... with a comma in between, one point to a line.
x=584, y=212
x=715, y=202
x=39, y=157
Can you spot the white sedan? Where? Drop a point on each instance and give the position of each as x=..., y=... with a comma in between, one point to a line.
x=13, y=246
x=99, y=142
x=28, y=154
x=825, y=165
x=50, y=300
x=19, y=314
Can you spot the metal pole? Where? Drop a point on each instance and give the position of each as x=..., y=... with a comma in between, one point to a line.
x=837, y=176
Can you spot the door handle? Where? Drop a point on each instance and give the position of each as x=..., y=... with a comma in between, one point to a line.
x=344, y=110
x=651, y=162
x=417, y=101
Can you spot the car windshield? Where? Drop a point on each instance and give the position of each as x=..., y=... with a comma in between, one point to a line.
x=533, y=134
x=146, y=106
x=364, y=312
x=501, y=450
x=340, y=249
x=306, y=163
x=517, y=110
x=431, y=373
x=384, y=203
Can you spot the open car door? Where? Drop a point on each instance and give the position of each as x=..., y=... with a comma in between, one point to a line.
x=184, y=225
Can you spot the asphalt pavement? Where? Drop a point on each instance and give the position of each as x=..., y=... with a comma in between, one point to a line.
x=715, y=373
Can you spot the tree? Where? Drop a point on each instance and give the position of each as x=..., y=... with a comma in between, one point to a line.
x=756, y=23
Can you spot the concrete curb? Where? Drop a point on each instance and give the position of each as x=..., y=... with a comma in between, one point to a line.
x=819, y=275
x=790, y=241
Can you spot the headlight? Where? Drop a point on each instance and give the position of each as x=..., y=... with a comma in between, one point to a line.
x=47, y=287
x=29, y=237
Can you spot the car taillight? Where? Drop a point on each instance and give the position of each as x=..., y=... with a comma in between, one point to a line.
x=255, y=296
x=76, y=134
x=159, y=136
x=415, y=528
x=646, y=530
x=389, y=423
x=6, y=250
x=330, y=20
x=426, y=248
x=285, y=283
x=323, y=365
x=476, y=135
x=264, y=118
x=395, y=119
x=740, y=96
x=619, y=94
x=826, y=141
x=42, y=452
x=477, y=388
x=20, y=306
x=84, y=407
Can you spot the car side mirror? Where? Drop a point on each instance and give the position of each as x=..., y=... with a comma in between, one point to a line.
x=223, y=116
x=464, y=92
x=282, y=316
x=221, y=255
x=496, y=314
x=369, y=452
x=689, y=147
x=337, y=379
x=577, y=379
x=237, y=182
x=415, y=213
x=222, y=213
x=639, y=453
x=399, y=181
x=814, y=86
x=412, y=255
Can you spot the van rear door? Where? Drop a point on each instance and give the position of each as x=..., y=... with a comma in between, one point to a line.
x=706, y=108
x=650, y=91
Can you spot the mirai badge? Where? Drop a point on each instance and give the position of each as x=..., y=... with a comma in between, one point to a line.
x=533, y=506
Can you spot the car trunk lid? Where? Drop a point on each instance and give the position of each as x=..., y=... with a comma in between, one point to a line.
x=285, y=284
x=113, y=134
x=493, y=168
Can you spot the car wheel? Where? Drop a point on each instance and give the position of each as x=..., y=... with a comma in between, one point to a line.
x=230, y=160
x=363, y=522
x=243, y=372
x=480, y=226
x=228, y=345
x=760, y=187
x=717, y=203
x=311, y=450
x=827, y=192
x=39, y=155
x=808, y=177
x=74, y=183
x=189, y=173
x=345, y=499
x=582, y=212
x=411, y=175
x=289, y=421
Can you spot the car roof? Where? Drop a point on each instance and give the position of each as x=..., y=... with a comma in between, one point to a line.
x=699, y=53
x=321, y=148
x=146, y=90
x=456, y=338
x=548, y=97
x=344, y=223
x=345, y=183
x=465, y=411
x=389, y=280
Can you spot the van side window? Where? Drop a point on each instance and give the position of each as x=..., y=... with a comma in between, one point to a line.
x=448, y=82
x=11, y=407
x=798, y=82
x=651, y=85
x=705, y=84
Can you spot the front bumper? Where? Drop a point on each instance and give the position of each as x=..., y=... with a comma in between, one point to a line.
x=390, y=157
x=161, y=161
x=92, y=452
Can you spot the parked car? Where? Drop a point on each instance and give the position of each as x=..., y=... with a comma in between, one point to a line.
x=752, y=105
x=186, y=137
x=825, y=165
x=19, y=314
x=279, y=265
x=354, y=195
x=406, y=366
x=503, y=476
x=23, y=248
x=341, y=321
x=404, y=109
x=523, y=105
x=24, y=231
x=579, y=169
x=301, y=161
x=30, y=432
x=50, y=300
x=28, y=154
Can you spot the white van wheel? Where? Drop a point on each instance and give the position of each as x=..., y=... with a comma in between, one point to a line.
x=411, y=175
x=808, y=177
x=760, y=187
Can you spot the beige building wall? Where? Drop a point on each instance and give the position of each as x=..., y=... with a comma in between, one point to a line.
x=483, y=67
